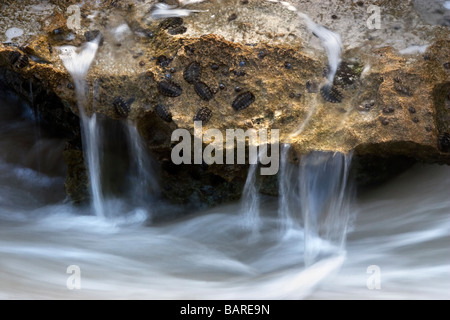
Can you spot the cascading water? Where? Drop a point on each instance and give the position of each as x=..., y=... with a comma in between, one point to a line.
x=332, y=43
x=402, y=227
x=35, y=110
x=288, y=195
x=324, y=202
x=77, y=62
x=251, y=201
x=315, y=196
x=142, y=178
x=294, y=194
x=330, y=40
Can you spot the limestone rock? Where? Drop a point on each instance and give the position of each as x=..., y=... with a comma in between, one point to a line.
x=392, y=104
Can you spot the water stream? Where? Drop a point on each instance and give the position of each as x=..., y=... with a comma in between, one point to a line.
x=143, y=177
x=317, y=240
x=324, y=202
x=251, y=201
x=77, y=62
x=402, y=227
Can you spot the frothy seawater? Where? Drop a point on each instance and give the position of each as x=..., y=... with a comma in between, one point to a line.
x=402, y=227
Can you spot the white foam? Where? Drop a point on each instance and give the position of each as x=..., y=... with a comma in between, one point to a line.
x=187, y=2
x=121, y=32
x=288, y=6
x=77, y=61
x=163, y=11
x=12, y=33
x=366, y=70
x=414, y=49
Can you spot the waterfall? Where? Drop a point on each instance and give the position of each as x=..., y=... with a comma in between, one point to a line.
x=91, y=146
x=251, y=199
x=250, y=202
x=77, y=62
x=288, y=192
x=142, y=178
x=316, y=196
x=37, y=124
x=324, y=201
x=143, y=186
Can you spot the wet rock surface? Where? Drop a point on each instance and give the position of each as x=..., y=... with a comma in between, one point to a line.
x=242, y=73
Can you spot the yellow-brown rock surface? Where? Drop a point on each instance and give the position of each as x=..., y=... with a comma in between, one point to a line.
x=393, y=104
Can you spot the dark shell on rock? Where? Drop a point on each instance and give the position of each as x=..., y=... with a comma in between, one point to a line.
x=162, y=112
x=232, y=17
x=94, y=34
x=384, y=121
x=163, y=61
x=170, y=89
x=331, y=94
x=171, y=23
x=239, y=73
x=403, y=90
x=121, y=107
x=22, y=62
x=243, y=101
x=262, y=54
x=14, y=57
x=204, y=115
x=388, y=110
x=203, y=91
x=192, y=72
x=18, y=59
x=11, y=44
x=177, y=30
x=347, y=74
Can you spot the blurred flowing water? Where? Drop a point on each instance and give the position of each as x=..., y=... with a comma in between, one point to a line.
x=316, y=241
x=402, y=227
x=77, y=62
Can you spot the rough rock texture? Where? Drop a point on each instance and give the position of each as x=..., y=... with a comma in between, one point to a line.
x=393, y=106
